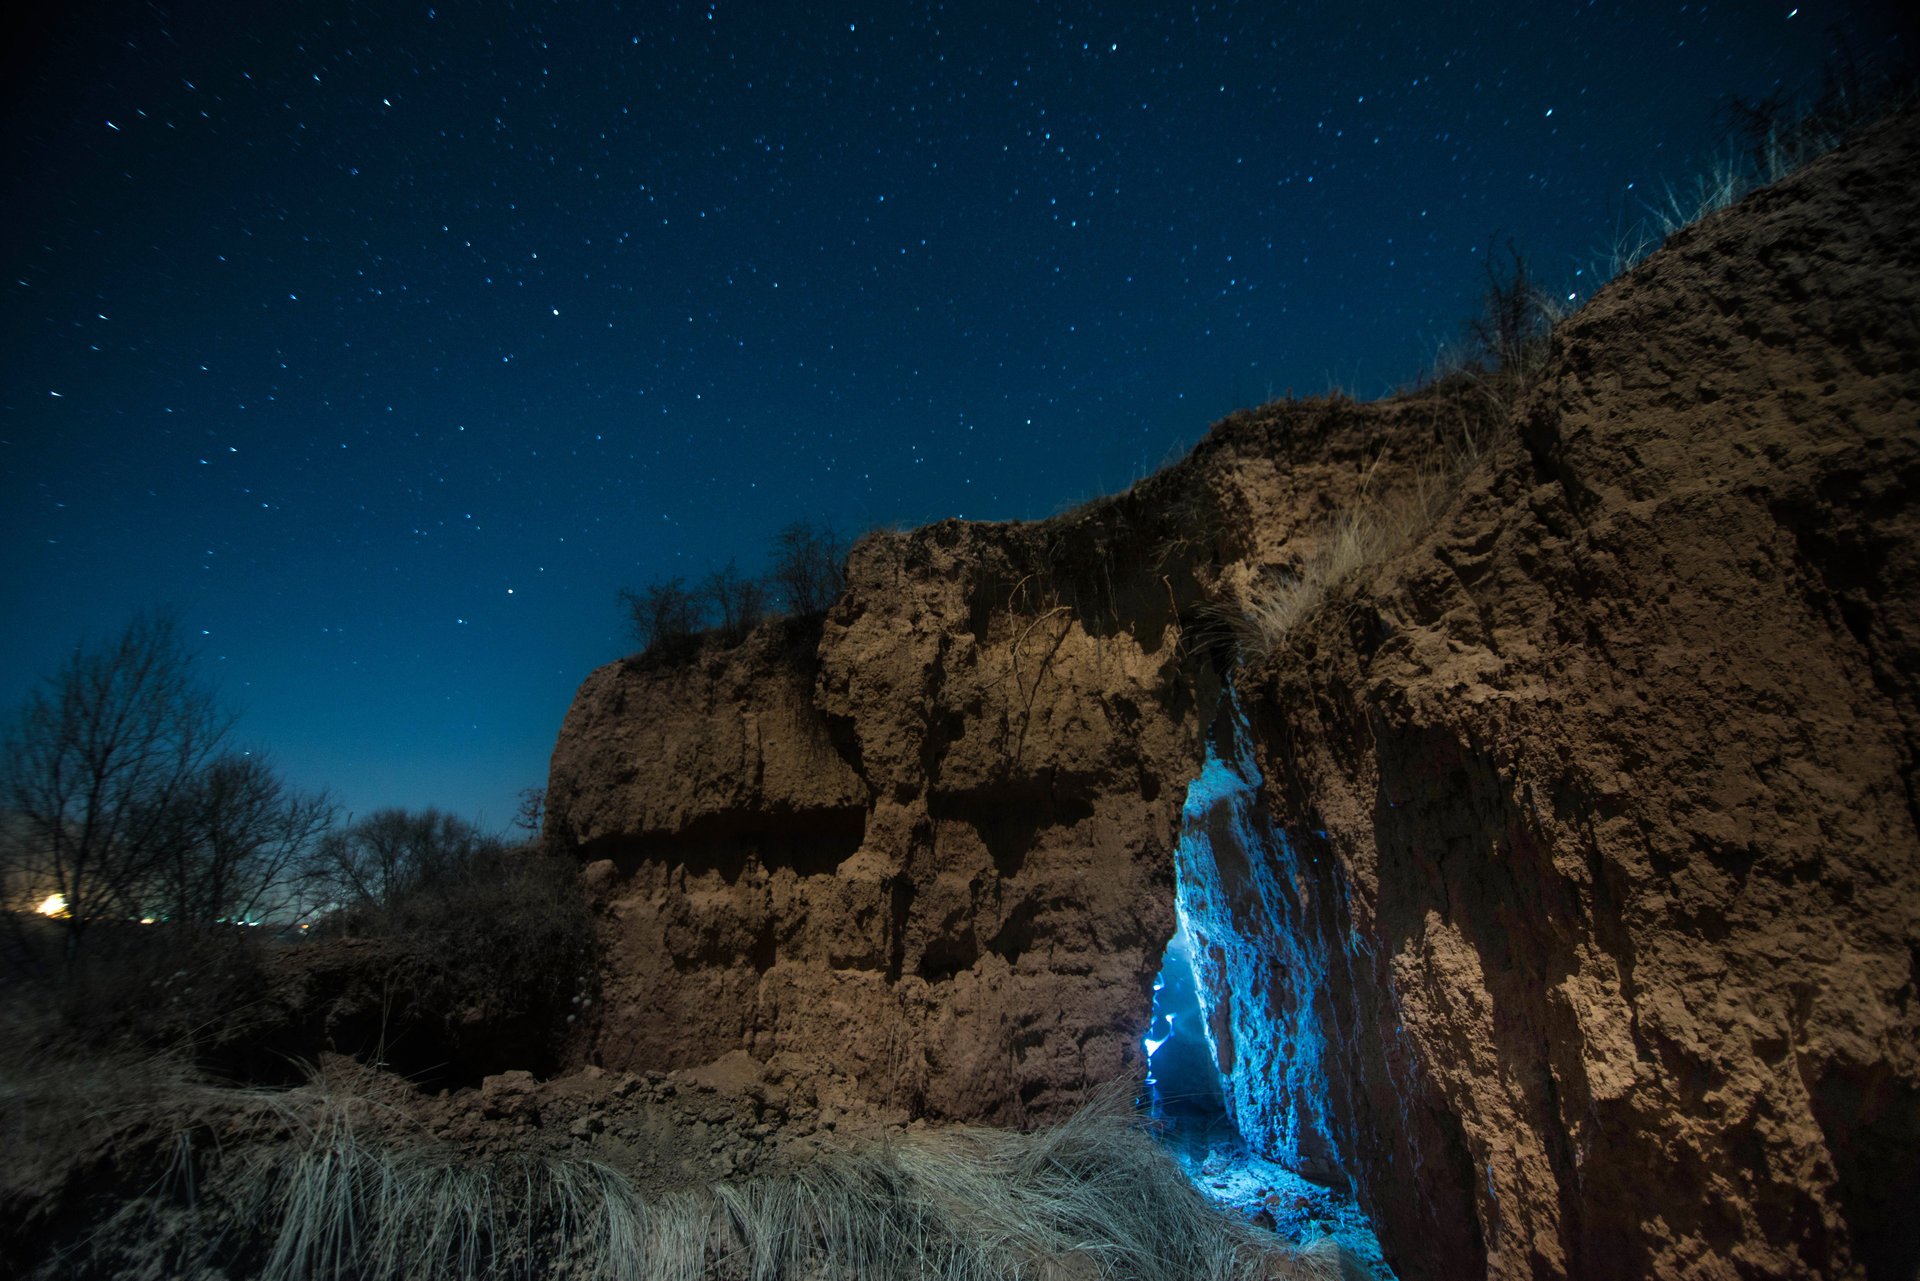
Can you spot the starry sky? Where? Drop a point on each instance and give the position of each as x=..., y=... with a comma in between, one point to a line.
x=384, y=342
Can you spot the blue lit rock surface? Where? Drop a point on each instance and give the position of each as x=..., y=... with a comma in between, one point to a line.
x=1562, y=892
x=1270, y=957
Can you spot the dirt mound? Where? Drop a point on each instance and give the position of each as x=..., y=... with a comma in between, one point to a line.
x=932, y=841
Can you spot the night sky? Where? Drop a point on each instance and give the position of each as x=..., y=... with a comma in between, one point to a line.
x=386, y=342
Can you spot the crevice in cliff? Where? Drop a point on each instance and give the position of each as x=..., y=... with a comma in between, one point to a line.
x=1867, y=1114
x=1257, y=944
x=1183, y=1084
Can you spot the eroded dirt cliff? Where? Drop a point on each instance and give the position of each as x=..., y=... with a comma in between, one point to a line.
x=1593, y=813
x=930, y=837
x=1557, y=880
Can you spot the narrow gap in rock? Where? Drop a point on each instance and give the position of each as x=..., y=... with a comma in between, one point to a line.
x=1183, y=1086
x=1237, y=990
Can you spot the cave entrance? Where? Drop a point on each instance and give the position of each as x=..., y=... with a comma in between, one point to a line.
x=1184, y=1092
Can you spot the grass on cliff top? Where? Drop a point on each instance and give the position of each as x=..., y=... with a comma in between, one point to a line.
x=1355, y=540
x=1508, y=342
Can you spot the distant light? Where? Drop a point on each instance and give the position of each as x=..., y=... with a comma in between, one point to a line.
x=53, y=905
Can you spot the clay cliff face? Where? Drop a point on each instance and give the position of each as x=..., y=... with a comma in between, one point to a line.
x=1556, y=883
x=929, y=847
x=928, y=842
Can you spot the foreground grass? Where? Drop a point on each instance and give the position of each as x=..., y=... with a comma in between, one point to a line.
x=326, y=1181
x=1094, y=1197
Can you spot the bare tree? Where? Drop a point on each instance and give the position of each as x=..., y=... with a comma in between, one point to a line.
x=124, y=799
x=531, y=814
x=809, y=567
x=394, y=852
x=739, y=603
x=1509, y=335
x=662, y=614
x=98, y=762
x=239, y=846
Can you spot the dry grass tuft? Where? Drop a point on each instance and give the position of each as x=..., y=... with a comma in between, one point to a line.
x=1092, y=1198
x=327, y=1182
x=1770, y=138
x=1352, y=543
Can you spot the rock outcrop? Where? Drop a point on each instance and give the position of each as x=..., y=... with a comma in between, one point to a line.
x=931, y=846
x=1556, y=882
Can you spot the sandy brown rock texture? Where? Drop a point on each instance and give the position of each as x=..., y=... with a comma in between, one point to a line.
x=931, y=844
x=930, y=838
x=1591, y=818
x=1556, y=882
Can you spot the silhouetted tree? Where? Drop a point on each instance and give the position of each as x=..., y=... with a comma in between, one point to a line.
x=662, y=614
x=531, y=814
x=809, y=567
x=395, y=852
x=97, y=761
x=1509, y=334
x=738, y=603
x=237, y=845
x=124, y=798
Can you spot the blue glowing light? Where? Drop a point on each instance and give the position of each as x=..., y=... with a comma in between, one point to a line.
x=1245, y=897
x=1152, y=1042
